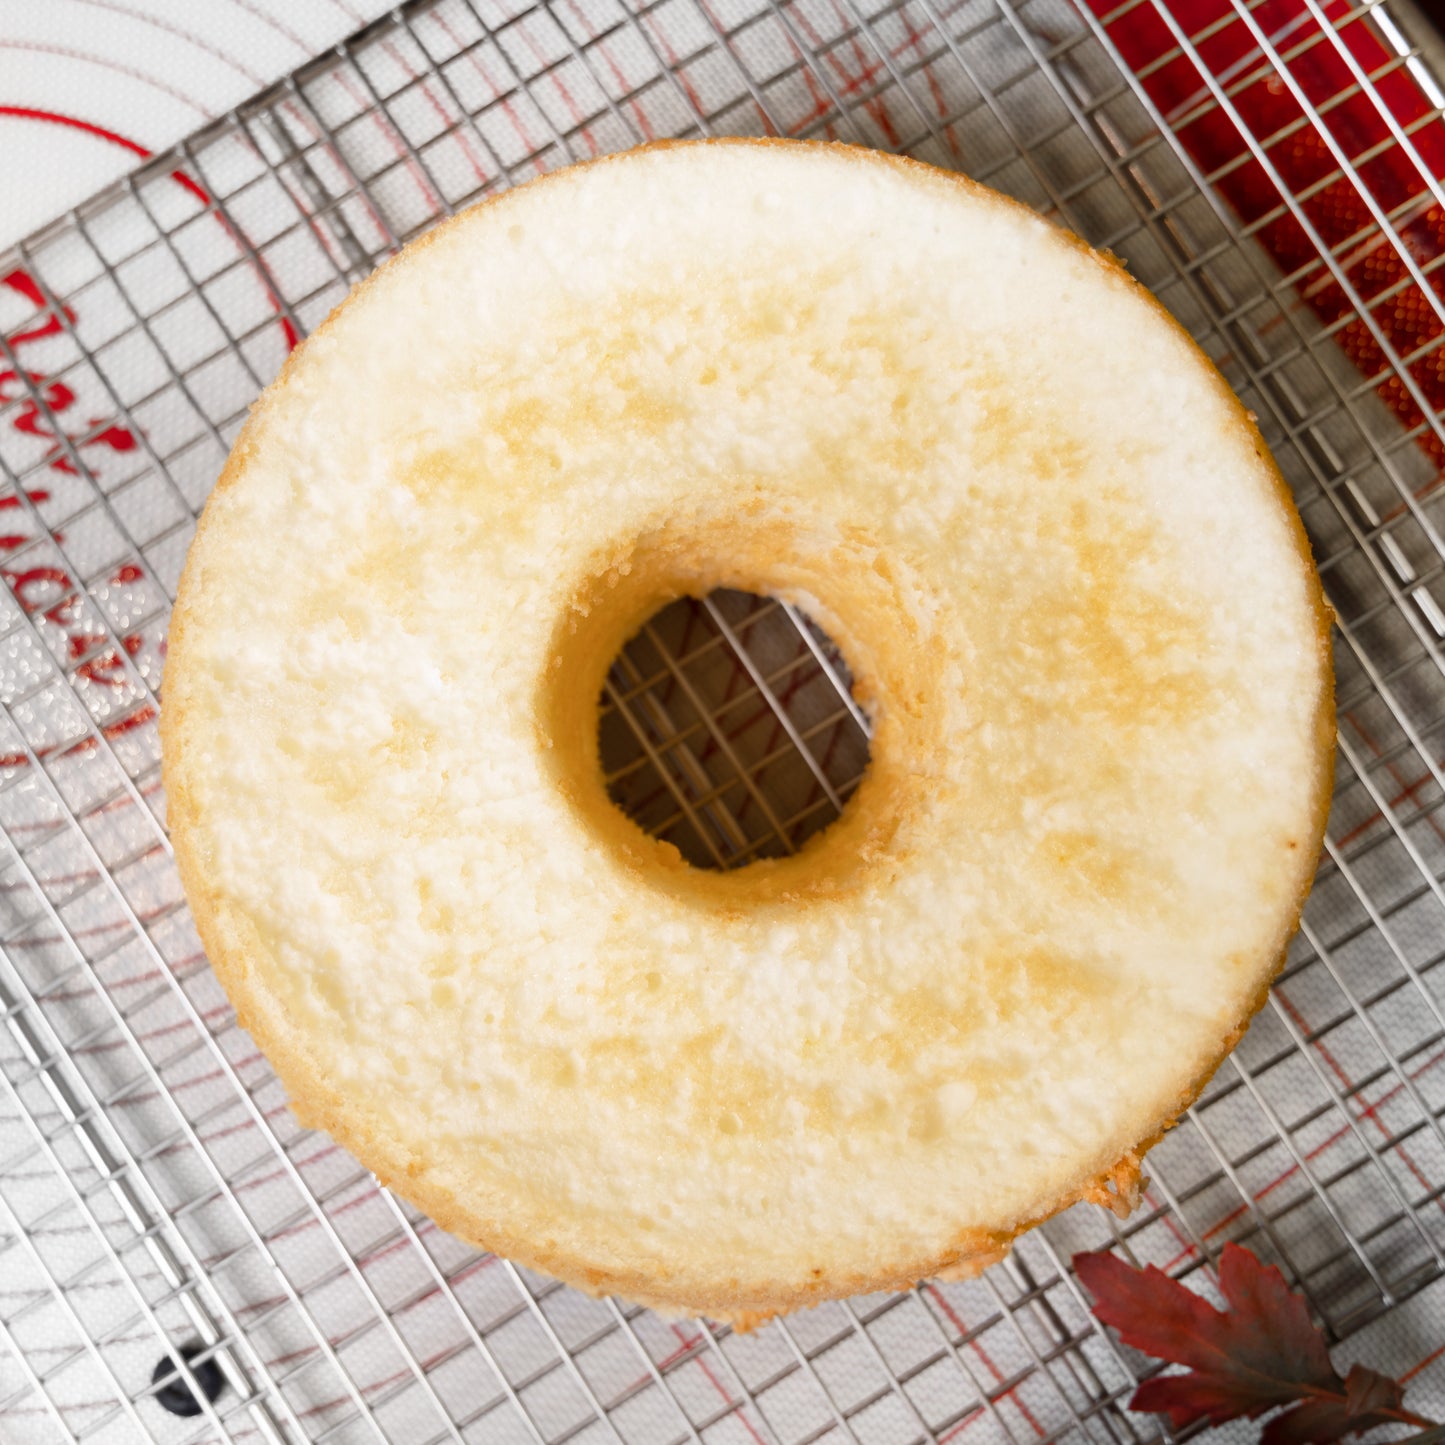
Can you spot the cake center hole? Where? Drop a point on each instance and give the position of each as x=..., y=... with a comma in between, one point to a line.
x=728, y=728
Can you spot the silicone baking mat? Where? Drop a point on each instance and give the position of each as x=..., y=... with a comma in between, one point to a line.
x=1269, y=169
x=87, y=86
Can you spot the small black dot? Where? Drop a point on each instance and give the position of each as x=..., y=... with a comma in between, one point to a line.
x=175, y=1393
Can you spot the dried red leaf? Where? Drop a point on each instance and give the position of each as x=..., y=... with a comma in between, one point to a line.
x=1322, y=1420
x=1264, y=1351
x=1311, y=1422
x=1370, y=1399
x=1367, y=1390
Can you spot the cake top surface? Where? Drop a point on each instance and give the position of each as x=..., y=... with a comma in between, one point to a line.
x=1057, y=559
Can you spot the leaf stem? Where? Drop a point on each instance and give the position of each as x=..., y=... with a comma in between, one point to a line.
x=1409, y=1417
x=1433, y=1435
x=1397, y=1415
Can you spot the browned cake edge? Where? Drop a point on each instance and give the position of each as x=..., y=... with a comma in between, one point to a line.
x=231, y=951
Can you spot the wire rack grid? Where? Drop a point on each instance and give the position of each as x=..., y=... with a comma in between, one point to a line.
x=1265, y=166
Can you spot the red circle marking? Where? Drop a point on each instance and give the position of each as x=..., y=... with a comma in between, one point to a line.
x=187, y=183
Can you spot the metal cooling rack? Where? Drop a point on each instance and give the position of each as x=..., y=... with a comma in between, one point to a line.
x=156, y=1195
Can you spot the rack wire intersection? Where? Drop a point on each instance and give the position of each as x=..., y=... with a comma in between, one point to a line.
x=1268, y=167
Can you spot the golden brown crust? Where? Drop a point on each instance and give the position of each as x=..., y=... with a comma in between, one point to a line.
x=317, y=1105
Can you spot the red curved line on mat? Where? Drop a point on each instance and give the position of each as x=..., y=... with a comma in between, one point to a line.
x=440, y=110
x=25, y=112
x=386, y=127
x=275, y=24
x=508, y=109
x=1415, y=1369
x=350, y=11
x=68, y=54
x=89, y=127
x=190, y=38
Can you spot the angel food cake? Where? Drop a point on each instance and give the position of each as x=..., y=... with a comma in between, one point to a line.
x=1058, y=560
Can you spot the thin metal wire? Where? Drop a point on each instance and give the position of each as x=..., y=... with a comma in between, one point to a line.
x=1382, y=565
x=293, y=143
x=785, y=721
x=731, y=827
x=153, y=1074
x=23, y=1242
x=1296, y=210
x=1402, y=719
x=185, y=1285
